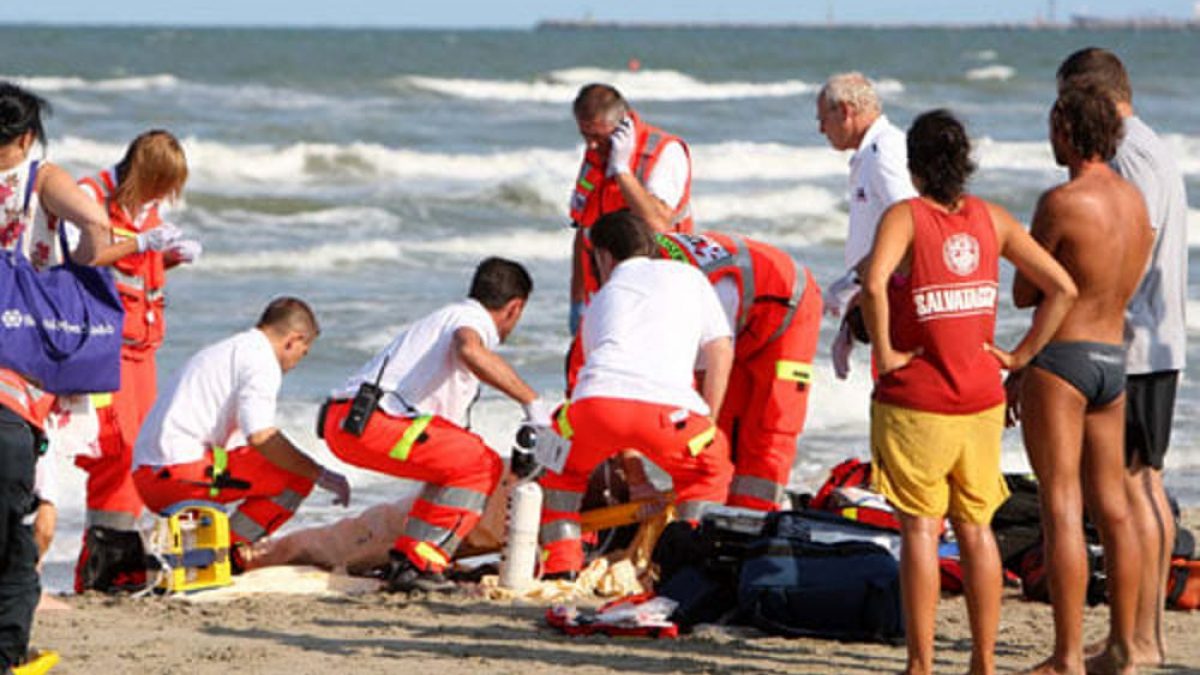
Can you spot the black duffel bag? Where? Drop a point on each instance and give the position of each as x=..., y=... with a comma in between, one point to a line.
x=848, y=590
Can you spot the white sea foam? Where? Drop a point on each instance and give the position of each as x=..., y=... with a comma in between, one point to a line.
x=340, y=217
x=983, y=55
x=561, y=86
x=43, y=85
x=997, y=72
x=714, y=207
x=322, y=257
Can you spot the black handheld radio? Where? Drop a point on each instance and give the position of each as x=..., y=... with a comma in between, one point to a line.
x=366, y=400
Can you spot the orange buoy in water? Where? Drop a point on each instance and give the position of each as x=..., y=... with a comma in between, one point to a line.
x=634, y=65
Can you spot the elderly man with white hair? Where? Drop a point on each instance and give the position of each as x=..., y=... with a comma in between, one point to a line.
x=851, y=118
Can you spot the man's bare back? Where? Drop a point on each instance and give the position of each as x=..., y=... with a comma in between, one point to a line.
x=1097, y=227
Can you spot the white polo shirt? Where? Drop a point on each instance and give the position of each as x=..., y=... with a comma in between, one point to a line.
x=670, y=175
x=423, y=373
x=1155, y=319
x=221, y=396
x=643, y=331
x=878, y=178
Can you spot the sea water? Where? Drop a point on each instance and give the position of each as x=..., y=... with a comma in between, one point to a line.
x=369, y=171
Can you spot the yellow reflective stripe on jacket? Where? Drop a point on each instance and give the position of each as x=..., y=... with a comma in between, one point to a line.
x=219, y=465
x=564, y=424
x=702, y=440
x=129, y=234
x=404, y=446
x=102, y=400
x=793, y=371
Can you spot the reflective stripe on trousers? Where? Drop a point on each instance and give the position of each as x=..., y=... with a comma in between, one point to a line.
x=759, y=488
x=559, y=530
x=455, y=498
x=443, y=538
x=560, y=501
x=113, y=520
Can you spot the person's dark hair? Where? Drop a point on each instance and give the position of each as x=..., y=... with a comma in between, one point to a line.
x=624, y=235
x=498, y=281
x=600, y=100
x=939, y=155
x=287, y=314
x=1098, y=69
x=21, y=111
x=1089, y=122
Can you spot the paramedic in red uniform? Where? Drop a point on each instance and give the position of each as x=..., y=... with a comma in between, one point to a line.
x=647, y=330
x=627, y=164
x=154, y=169
x=429, y=376
x=773, y=307
x=212, y=434
x=937, y=412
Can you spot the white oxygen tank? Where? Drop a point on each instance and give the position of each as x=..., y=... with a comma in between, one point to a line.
x=519, y=559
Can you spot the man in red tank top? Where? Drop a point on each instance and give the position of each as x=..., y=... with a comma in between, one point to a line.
x=937, y=414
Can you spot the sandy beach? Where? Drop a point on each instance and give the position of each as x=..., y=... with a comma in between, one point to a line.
x=378, y=633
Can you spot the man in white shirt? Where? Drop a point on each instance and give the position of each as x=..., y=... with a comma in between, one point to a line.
x=1155, y=334
x=651, y=326
x=851, y=118
x=406, y=413
x=212, y=435
x=627, y=163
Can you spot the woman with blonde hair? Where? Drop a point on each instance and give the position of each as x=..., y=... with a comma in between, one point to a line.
x=153, y=170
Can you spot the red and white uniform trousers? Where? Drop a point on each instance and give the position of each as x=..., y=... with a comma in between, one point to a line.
x=459, y=471
x=685, y=444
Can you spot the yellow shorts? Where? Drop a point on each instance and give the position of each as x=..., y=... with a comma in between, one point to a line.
x=934, y=465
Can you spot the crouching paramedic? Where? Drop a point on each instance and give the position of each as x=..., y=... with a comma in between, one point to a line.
x=212, y=435
x=774, y=309
x=643, y=335
x=407, y=414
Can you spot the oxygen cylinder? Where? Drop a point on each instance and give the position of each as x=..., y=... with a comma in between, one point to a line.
x=520, y=555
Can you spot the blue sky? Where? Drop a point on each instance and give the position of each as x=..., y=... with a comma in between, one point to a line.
x=491, y=13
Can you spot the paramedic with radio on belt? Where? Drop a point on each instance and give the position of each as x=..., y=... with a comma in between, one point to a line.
x=406, y=413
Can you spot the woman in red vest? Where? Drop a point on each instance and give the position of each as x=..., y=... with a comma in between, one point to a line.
x=930, y=292
x=154, y=169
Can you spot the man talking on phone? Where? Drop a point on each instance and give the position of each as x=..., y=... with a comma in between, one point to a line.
x=627, y=164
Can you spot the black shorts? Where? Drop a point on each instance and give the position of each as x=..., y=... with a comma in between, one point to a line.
x=1149, y=409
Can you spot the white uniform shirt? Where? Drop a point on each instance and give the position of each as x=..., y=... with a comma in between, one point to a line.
x=670, y=175
x=643, y=331
x=1155, y=321
x=423, y=370
x=221, y=396
x=878, y=178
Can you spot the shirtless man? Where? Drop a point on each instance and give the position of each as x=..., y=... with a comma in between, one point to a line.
x=1073, y=395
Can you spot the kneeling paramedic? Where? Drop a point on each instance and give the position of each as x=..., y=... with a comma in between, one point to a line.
x=407, y=413
x=212, y=436
x=774, y=309
x=649, y=328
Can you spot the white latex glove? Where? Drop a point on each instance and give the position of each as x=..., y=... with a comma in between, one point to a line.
x=186, y=250
x=332, y=481
x=840, y=293
x=160, y=238
x=539, y=412
x=620, y=153
x=843, y=344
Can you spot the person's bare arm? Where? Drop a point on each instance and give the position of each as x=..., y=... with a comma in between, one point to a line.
x=717, y=357
x=893, y=239
x=44, y=522
x=489, y=367
x=62, y=197
x=280, y=451
x=577, y=254
x=1025, y=292
x=1049, y=279
x=649, y=208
